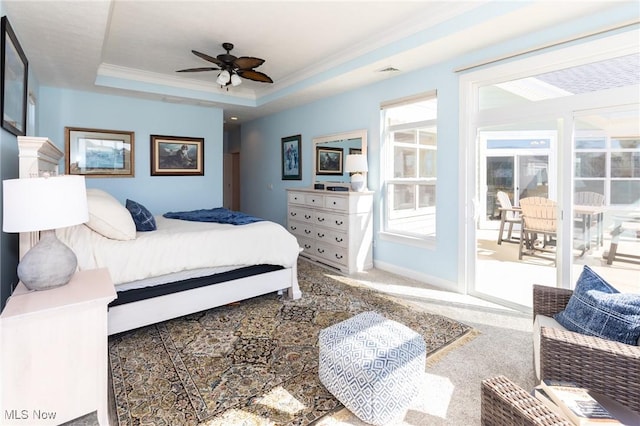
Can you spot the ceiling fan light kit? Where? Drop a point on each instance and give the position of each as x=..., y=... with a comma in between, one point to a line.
x=232, y=67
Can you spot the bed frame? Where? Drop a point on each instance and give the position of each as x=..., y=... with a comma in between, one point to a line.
x=39, y=156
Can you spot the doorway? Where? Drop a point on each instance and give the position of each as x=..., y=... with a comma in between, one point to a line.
x=500, y=120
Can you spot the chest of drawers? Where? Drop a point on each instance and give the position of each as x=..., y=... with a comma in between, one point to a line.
x=333, y=228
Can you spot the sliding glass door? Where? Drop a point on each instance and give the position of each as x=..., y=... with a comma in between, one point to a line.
x=606, y=194
x=549, y=132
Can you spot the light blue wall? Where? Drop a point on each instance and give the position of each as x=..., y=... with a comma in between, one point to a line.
x=360, y=109
x=62, y=107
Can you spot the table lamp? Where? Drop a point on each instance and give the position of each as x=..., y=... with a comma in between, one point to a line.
x=45, y=204
x=356, y=163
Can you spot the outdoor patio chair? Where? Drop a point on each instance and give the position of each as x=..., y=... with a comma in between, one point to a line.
x=508, y=215
x=583, y=221
x=539, y=219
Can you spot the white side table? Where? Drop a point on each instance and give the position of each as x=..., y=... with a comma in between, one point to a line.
x=53, y=352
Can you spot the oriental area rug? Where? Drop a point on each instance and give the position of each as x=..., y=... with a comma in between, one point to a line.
x=253, y=362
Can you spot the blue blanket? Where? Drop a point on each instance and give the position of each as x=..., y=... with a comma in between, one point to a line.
x=219, y=214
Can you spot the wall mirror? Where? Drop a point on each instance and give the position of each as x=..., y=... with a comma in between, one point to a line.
x=329, y=155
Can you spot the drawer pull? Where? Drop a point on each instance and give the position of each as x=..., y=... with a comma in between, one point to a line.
x=339, y=222
x=293, y=213
x=320, y=250
x=307, y=231
x=339, y=240
x=321, y=219
x=320, y=235
x=307, y=246
x=293, y=228
x=334, y=203
x=307, y=216
x=338, y=256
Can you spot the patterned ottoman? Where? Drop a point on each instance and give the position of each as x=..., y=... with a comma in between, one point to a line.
x=372, y=365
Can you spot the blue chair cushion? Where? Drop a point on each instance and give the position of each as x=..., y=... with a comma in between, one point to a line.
x=142, y=217
x=597, y=309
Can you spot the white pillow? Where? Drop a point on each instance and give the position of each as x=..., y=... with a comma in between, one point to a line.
x=108, y=217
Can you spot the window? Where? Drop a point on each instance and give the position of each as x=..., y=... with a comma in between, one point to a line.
x=609, y=166
x=409, y=169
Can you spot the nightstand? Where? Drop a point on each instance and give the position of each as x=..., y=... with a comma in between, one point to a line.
x=54, y=352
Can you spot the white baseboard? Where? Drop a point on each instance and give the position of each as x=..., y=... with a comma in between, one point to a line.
x=439, y=283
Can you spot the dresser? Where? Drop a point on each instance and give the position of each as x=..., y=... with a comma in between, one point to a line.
x=54, y=352
x=333, y=228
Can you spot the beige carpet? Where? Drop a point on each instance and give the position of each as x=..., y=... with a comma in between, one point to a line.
x=254, y=362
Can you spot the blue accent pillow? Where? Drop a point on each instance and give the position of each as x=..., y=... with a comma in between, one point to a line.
x=142, y=217
x=597, y=309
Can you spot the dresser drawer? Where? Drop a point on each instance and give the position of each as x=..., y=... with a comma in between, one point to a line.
x=331, y=253
x=308, y=246
x=336, y=203
x=327, y=235
x=301, y=229
x=333, y=221
x=315, y=200
x=300, y=213
x=296, y=197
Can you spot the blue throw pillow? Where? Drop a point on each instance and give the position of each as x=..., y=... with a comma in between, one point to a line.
x=597, y=309
x=142, y=217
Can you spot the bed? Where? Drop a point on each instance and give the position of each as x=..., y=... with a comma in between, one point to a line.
x=179, y=268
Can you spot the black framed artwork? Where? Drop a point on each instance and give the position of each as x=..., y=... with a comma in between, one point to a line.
x=177, y=156
x=329, y=161
x=13, y=82
x=291, y=160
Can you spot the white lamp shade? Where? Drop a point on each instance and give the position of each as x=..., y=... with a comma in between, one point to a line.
x=223, y=78
x=356, y=163
x=235, y=80
x=37, y=204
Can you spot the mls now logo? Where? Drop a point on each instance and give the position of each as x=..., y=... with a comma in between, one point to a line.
x=26, y=414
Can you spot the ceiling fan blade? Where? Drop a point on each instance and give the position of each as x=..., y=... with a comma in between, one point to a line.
x=255, y=76
x=206, y=57
x=199, y=69
x=247, y=62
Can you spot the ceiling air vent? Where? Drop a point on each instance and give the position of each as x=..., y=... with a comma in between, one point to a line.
x=389, y=69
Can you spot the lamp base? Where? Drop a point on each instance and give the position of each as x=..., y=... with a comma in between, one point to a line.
x=49, y=264
x=357, y=182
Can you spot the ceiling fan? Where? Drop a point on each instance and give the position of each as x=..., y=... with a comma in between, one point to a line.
x=232, y=67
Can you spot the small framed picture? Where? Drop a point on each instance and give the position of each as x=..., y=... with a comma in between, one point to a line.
x=328, y=161
x=98, y=153
x=177, y=156
x=291, y=165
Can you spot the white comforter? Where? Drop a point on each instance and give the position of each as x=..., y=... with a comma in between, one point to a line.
x=179, y=245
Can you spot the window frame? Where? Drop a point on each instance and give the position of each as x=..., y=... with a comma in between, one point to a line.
x=388, y=171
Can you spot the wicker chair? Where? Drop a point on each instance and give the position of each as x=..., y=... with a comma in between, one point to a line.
x=604, y=366
x=503, y=403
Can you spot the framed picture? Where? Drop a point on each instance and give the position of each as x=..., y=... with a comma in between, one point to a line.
x=291, y=165
x=177, y=156
x=13, y=83
x=98, y=153
x=328, y=161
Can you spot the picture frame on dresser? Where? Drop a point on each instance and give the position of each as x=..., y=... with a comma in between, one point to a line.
x=98, y=152
x=13, y=82
x=329, y=161
x=291, y=158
